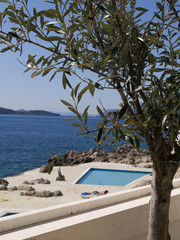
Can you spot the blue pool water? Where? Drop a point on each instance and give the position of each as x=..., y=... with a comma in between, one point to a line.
x=111, y=177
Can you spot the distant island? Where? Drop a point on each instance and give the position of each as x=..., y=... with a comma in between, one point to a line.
x=24, y=112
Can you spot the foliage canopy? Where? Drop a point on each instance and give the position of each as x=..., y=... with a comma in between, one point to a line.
x=137, y=58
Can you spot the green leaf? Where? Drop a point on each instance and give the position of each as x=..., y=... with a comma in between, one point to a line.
x=137, y=143
x=122, y=111
x=72, y=109
x=100, y=111
x=5, y=1
x=159, y=5
x=13, y=34
x=88, y=65
x=107, y=58
x=52, y=38
x=139, y=138
x=157, y=69
x=91, y=88
x=42, y=21
x=50, y=168
x=76, y=124
x=129, y=139
x=34, y=74
x=6, y=49
x=99, y=134
x=66, y=103
x=39, y=60
x=70, y=119
x=11, y=14
x=79, y=117
x=86, y=117
x=65, y=81
x=46, y=71
x=31, y=59
x=76, y=89
x=54, y=74
x=81, y=94
x=141, y=9
x=86, y=109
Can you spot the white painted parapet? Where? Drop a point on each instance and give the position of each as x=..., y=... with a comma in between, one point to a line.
x=49, y=213
x=114, y=216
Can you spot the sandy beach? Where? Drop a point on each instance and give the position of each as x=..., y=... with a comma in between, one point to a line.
x=70, y=191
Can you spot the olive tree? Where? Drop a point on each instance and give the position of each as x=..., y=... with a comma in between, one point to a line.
x=126, y=52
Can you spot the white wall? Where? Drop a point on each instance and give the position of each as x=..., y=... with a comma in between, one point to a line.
x=120, y=221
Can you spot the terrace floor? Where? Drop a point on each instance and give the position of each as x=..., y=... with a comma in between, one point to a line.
x=11, y=200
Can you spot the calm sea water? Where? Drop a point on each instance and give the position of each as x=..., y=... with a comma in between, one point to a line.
x=26, y=142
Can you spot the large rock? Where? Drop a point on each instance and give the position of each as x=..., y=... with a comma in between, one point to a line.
x=42, y=181
x=45, y=194
x=3, y=188
x=28, y=193
x=25, y=188
x=29, y=182
x=14, y=188
x=57, y=193
x=3, y=182
x=60, y=178
x=44, y=169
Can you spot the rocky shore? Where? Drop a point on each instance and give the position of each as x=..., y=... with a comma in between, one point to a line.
x=126, y=154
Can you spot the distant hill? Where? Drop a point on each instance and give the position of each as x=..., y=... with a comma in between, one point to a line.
x=24, y=112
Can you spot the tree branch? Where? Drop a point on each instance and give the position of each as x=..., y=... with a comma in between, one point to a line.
x=32, y=42
x=99, y=38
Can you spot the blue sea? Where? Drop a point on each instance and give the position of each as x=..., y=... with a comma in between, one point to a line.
x=27, y=142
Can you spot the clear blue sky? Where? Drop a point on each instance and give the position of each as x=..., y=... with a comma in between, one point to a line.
x=19, y=90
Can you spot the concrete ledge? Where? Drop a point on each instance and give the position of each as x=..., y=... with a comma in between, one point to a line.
x=81, y=207
x=44, y=214
x=125, y=221
x=97, y=224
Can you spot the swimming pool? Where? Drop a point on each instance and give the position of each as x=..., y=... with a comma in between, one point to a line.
x=110, y=177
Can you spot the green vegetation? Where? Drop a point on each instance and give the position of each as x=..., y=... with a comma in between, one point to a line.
x=126, y=52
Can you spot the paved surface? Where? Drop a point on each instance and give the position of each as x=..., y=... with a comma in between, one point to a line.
x=71, y=191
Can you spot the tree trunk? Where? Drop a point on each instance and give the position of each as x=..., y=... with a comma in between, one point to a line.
x=160, y=200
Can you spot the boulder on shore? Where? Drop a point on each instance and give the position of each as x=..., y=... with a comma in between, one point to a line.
x=3, y=182
x=44, y=169
x=3, y=188
x=45, y=194
x=42, y=181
